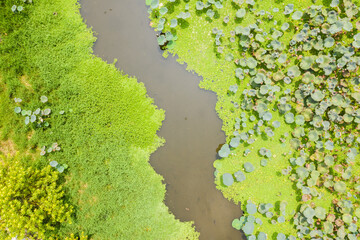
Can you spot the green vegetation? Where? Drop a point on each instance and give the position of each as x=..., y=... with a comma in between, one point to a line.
x=30, y=200
x=64, y=108
x=286, y=75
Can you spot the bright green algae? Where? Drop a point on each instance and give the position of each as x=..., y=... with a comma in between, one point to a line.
x=106, y=133
x=212, y=39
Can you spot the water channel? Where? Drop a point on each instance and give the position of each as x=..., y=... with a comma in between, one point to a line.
x=192, y=129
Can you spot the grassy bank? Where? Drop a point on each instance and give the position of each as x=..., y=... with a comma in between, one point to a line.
x=289, y=162
x=103, y=122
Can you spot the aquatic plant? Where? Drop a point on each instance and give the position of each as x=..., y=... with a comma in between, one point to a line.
x=295, y=75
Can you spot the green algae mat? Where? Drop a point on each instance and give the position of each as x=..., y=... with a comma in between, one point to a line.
x=286, y=74
x=62, y=107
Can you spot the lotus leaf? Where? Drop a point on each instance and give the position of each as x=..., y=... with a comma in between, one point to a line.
x=236, y=224
x=251, y=62
x=289, y=9
x=289, y=118
x=261, y=236
x=250, y=2
x=297, y=15
x=340, y=187
x=280, y=236
x=276, y=124
x=200, y=5
x=241, y=13
x=267, y=116
x=235, y=142
x=224, y=151
x=227, y=179
x=293, y=71
x=320, y=212
x=251, y=208
x=275, y=44
x=173, y=23
x=54, y=163
x=306, y=63
x=60, y=168
x=17, y=110
x=154, y=4
x=239, y=176
x=43, y=99
x=248, y=228
x=248, y=167
x=329, y=145
x=185, y=15
x=334, y=3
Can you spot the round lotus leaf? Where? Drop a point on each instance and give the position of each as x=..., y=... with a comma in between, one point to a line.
x=276, y=124
x=275, y=44
x=43, y=99
x=239, y=176
x=347, y=26
x=241, y=13
x=251, y=62
x=295, y=143
x=54, y=163
x=308, y=77
x=285, y=26
x=317, y=95
x=236, y=224
x=233, y=88
x=348, y=118
x=281, y=219
x=248, y=167
x=261, y=236
x=251, y=208
x=259, y=37
x=227, y=179
x=229, y=57
x=306, y=63
x=297, y=15
x=282, y=58
x=334, y=3
x=267, y=116
x=281, y=236
x=173, y=23
x=328, y=227
x=329, y=42
x=329, y=160
x=161, y=40
x=32, y=118
x=289, y=9
x=248, y=228
x=293, y=71
x=154, y=4
x=340, y=187
x=320, y=212
x=17, y=109
x=224, y=151
x=235, y=142
x=329, y=145
x=27, y=120
x=60, y=168
x=289, y=118
x=313, y=135
x=263, y=162
x=300, y=120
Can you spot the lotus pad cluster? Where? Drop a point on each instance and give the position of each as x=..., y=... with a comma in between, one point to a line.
x=290, y=106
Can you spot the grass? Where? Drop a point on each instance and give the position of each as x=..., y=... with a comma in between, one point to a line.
x=106, y=134
x=195, y=46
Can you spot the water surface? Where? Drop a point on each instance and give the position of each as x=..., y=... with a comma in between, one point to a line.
x=192, y=129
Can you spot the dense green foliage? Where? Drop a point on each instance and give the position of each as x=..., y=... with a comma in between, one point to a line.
x=31, y=201
x=102, y=124
x=286, y=75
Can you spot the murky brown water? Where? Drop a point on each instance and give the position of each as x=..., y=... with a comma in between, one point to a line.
x=191, y=128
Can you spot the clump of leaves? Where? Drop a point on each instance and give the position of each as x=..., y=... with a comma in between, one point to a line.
x=31, y=201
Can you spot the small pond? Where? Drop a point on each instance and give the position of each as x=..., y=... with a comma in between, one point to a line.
x=192, y=129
